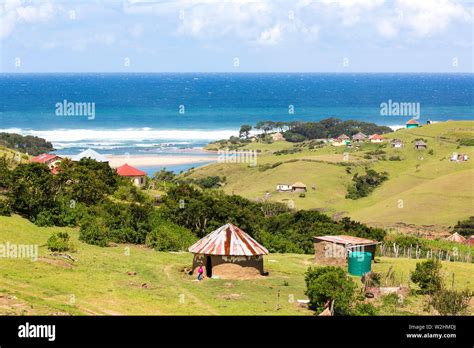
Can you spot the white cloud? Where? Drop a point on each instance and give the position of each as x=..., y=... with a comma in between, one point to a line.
x=427, y=17
x=13, y=12
x=270, y=36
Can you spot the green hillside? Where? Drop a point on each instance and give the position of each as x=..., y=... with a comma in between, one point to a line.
x=424, y=187
x=135, y=280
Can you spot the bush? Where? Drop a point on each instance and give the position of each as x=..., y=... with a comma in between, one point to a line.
x=394, y=158
x=466, y=142
x=5, y=208
x=427, y=276
x=329, y=283
x=365, y=184
x=302, y=195
x=364, y=309
x=94, y=231
x=169, y=237
x=60, y=242
x=451, y=302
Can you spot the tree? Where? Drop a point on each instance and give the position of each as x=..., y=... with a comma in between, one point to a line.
x=245, y=130
x=427, y=276
x=465, y=227
x=324, y=284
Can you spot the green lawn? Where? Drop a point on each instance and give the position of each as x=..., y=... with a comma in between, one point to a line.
x=98, y=283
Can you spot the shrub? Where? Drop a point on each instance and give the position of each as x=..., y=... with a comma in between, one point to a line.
x=427, y=276
x=94, y=231
x=394, y=158
x=466, y=142
x=5, y=208
x=329, y=283
x=60, y=242
x=451, y=302
x=365, y=184
x=302, y=195
x=364, y=309
x=169, y=237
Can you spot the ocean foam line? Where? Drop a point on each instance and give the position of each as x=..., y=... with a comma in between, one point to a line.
x=124, y=134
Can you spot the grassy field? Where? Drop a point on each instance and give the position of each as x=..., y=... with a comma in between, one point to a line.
x=98, y=282
x=418, y=188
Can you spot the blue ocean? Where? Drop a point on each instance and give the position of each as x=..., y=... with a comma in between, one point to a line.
x=178, y=113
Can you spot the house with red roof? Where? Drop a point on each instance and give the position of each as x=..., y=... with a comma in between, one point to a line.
x=375, y=138
x=51, y=160
x=412, y=123
x=136, y=176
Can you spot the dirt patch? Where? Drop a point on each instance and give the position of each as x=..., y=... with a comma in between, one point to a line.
x=10, y=305
x=56, y=262
x=230, y=297
x=234, y=271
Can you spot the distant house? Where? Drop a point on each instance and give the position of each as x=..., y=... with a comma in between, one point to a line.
x=428, y=121
x=397, y=143
x=459, y=157
x=333, y=250
x=470, y=240
x=456, y=237
x=359, y=137
x=298, y=187
x=375, y=138
x=277, y=136
x=50, y=160
x=420, y=145
x=344, y=137
x=412, y=123
x=89, y=153
x=137, y=177
x=284, y=187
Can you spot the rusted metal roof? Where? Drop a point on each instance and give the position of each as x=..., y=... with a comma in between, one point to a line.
x=343, y=239
x=228, y=240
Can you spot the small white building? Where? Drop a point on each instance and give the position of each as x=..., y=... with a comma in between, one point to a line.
x=284, y=187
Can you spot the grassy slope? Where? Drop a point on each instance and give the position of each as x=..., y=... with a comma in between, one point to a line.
x=424, y=185
x=99, y=283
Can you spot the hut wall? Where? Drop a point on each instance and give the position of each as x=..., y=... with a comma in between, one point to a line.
x=255, y=262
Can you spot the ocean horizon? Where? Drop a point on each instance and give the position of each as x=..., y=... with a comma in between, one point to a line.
x=147, y=113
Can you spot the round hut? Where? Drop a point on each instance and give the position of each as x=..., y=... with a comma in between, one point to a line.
x=228, y=252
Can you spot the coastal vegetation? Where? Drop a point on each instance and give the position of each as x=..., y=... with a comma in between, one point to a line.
x=25, y=143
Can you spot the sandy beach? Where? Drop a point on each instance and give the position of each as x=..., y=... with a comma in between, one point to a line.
x=156, y=160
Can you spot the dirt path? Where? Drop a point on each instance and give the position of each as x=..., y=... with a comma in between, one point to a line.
x=188, y=294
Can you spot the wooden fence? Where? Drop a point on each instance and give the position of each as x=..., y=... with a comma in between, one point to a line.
x=415, y=252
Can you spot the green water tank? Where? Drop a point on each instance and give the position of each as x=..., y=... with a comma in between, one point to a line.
x=359, y=262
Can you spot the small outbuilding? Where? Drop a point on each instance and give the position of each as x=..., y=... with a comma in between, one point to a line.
x=412, y=123
x=298, y=187
x=344, y=137
x=456, y=237
x=375, y=138
x=420, y=145
x=136, y=176
x=397, y=143
x=333, y=250
x=228, y=252
x=470, y=241
x=359, y=137
x=284, y=187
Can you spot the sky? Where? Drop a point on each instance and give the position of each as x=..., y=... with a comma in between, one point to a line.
x=236, y=36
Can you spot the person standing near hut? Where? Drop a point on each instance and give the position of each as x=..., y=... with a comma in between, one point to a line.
x=200, y=273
